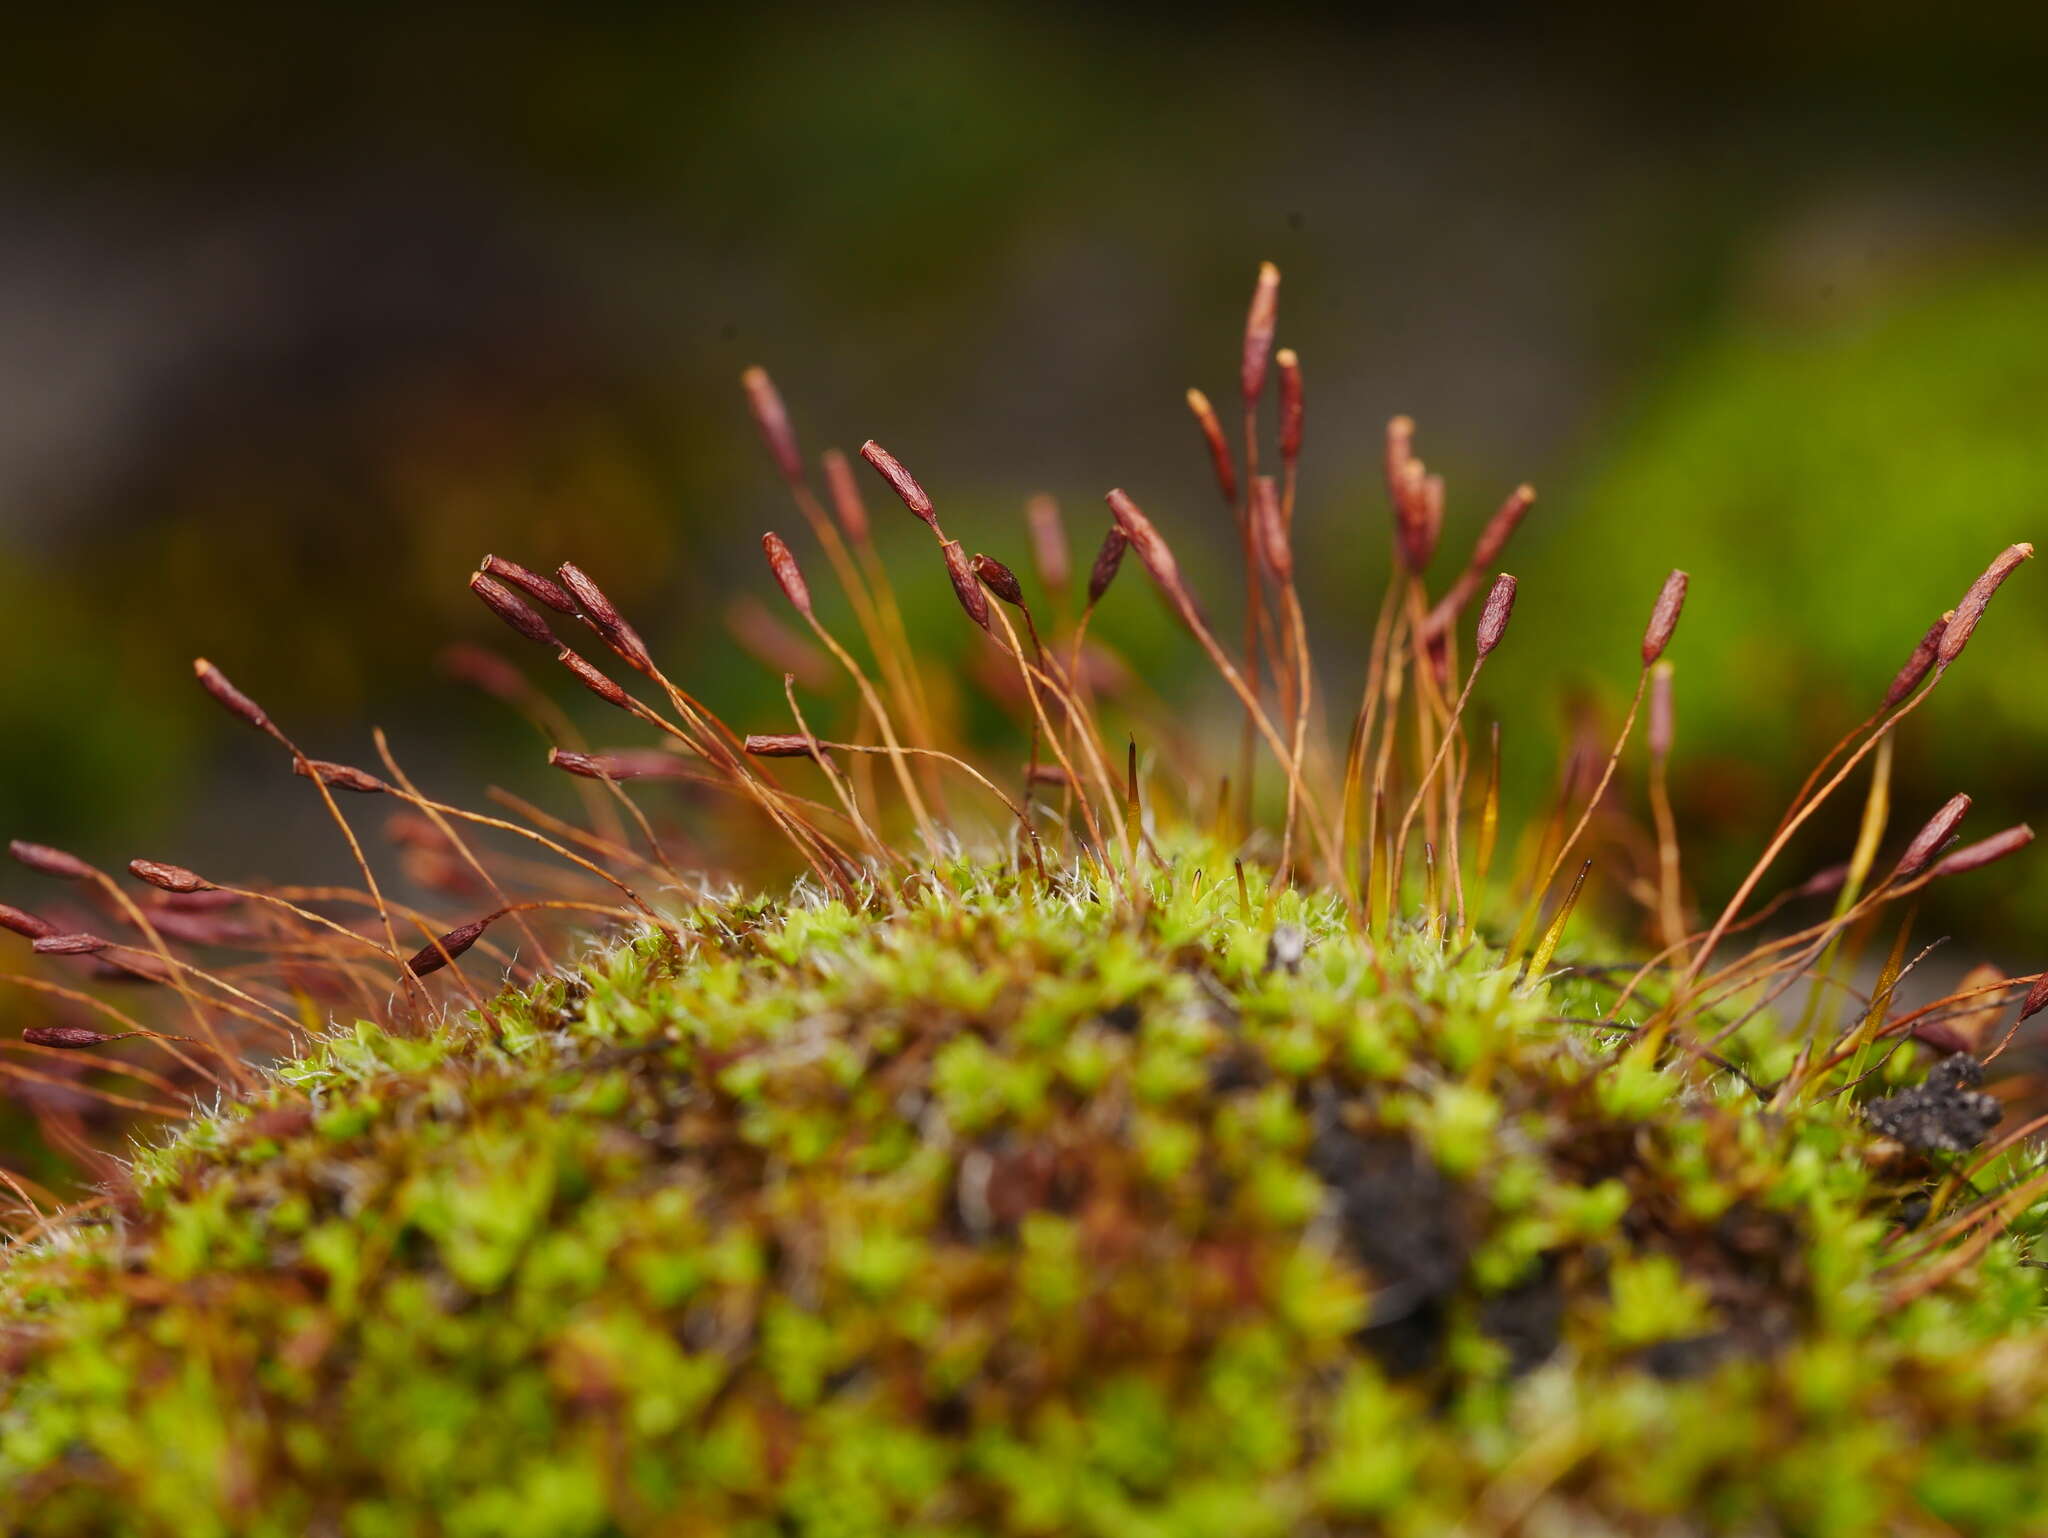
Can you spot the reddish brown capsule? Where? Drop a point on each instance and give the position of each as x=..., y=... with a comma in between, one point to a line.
x=765, y=401
x=133, y=967
x=410, y=831
x=433, y=957
x=341, y=776
x=1956, y=635
x=846, y=499
x=1985, y=850
x=69, y=1038
x=2037, y=997
x=788, y=575
x=1908, y=677
x=70, y=945
x=1432, y=515
x=199, y=902
x=588, y=598
x=1943, y=1037
x=531, y=583
x=1218, y=444
x=1664, y=616
x=481, y=668
x=769, y=639
x=1152, y=550
x=24, y=923
x=50, y=862
x=1418, y=514
x=1290, y=405
x=999, y=579
x=647, y=764
x=201, y=928
x=625, y=641
x=1259, y=322
x=1269, y=531
x=593, y=680
x=965, y=588
x=901, y=481
x=1108, y=559
x=1049, y=552
x=1493, y=614
x=512, y=609
x=1928, y=841
x=778, y=745
x=168, y=878
x=603, y=617
x=1823, y=882
x=1500, y=528
x=215, y=683
x=1399, y=451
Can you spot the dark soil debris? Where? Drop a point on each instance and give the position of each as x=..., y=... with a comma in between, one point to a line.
x=1945, y=1112
x=1401, y=1219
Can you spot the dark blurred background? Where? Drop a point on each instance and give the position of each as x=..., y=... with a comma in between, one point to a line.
x=299, y=317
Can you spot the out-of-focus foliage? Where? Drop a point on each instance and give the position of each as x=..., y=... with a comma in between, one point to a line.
x=87, y=724
x=1832, y=485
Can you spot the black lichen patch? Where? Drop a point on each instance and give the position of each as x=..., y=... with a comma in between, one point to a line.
x=1945, y=1112
x=1402, y=1221
x=1527, y=1318
x=1124, y=1018
x=1749, y=1264
x=1688, y=1356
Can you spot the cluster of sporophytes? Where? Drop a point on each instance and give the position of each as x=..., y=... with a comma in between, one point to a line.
x=1099, y=1165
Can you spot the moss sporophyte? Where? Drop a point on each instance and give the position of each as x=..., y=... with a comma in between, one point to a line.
x=1067, y=1150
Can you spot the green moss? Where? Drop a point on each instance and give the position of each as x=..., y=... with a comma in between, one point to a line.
x=1019, y=1211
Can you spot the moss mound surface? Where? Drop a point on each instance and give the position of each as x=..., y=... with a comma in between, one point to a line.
x=1018, y=1211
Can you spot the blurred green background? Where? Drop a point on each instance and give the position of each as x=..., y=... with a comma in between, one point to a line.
x=301, y=316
